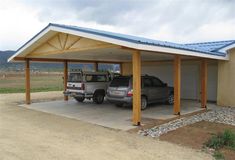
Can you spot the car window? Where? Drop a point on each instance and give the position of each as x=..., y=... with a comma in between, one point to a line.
x=147, y=82
x=120, y=82
x=75, y=77
x=96, y=78
x=157, y=82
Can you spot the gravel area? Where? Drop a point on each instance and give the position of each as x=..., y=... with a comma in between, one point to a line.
x=225, y=115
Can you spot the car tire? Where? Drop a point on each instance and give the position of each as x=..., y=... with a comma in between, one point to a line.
x=170, y=99
x=144, y=102
x=98, y=98
x=79, y=99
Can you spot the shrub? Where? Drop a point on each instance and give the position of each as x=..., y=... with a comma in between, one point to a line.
x=229, y=139
x=218, y=156
x=225, y=139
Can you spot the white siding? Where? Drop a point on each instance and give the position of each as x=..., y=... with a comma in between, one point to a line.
x=190, y=78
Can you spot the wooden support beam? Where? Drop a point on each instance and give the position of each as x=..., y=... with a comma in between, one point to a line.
x=62, y=60
x=96, y=66
x=72, y=50
x=121, y=68
x=65, y=78
x=136, y=62
x=177, y=85
x=27, y=81
x=204, y=75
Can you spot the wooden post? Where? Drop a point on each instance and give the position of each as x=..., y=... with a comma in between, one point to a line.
x=27, y=81
x=65, y=78
x=203, y=83
x=136, y=62
x=177, y=86
x=121, y=68
x=96, y=66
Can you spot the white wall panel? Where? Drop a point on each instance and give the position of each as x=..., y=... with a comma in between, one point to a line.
x=190, y=78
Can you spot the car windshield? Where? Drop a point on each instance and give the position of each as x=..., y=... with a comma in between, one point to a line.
x=75, y=77
x=120, y=82
x=96, y=78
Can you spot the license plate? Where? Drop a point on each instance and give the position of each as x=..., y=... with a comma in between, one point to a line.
x=117, y=92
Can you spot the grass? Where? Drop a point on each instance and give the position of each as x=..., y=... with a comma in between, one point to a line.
x=15, y=83
x=221, y=140
x=218, y=155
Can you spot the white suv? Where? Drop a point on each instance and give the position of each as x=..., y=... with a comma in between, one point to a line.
x=90, y=85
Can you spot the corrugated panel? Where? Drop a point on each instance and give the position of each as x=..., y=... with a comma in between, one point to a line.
x=207, y=47
x=211, y=46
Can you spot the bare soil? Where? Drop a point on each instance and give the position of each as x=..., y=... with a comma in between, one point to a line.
x=197, y=134
x=28, y=134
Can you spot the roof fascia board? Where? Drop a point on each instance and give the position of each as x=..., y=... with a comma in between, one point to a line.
x=136, y=45
x=30, y=42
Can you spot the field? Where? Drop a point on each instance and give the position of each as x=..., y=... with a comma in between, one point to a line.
x=46, y=81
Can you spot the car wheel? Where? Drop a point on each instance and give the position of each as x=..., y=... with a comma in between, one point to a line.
x=98, y=98
x=170, y=99
x=144, y=103
x=79, y=99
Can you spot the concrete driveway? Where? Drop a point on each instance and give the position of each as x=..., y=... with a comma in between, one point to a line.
x=29, y=134
x=108, y=115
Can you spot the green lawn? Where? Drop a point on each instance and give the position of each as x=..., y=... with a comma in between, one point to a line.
x=15, y=83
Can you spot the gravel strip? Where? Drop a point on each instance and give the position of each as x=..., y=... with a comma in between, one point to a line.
x=225, y=115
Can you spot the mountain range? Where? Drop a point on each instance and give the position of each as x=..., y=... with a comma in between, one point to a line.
x=19, y=66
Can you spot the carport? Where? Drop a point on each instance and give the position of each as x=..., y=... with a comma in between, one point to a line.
x=71, y=44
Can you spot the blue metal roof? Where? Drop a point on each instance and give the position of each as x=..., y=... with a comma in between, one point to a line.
x=206, y=47
x=209, y=48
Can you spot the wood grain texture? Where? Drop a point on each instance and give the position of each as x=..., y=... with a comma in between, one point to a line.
x=136, y=62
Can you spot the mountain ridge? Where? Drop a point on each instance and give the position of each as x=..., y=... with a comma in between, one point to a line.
x=36, y=66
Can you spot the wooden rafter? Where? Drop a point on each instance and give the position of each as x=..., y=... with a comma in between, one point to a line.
x=71, y=50
x=66, y=38
x=60, y=41
x=68, y=47
x=52, y=45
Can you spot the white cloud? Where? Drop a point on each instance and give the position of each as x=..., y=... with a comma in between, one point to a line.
x=169, y=20
x=18, y=24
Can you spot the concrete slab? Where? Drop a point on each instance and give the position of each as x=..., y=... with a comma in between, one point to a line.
x=108, y=115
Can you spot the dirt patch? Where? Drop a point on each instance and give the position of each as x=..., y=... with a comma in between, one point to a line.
x=228, y=153
x=197, y=134
x=28, y=134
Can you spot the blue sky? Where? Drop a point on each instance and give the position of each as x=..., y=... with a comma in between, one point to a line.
x=180, y=21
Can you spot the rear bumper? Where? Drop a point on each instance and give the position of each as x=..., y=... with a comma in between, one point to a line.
x=77, y=94
x=127, y=100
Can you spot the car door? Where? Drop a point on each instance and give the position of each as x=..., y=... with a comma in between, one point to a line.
x=159, y=89
x=147, y=88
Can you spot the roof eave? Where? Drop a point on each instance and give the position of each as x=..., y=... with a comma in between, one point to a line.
x=134, y=45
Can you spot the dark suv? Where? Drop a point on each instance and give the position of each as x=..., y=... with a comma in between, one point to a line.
x=152, y=90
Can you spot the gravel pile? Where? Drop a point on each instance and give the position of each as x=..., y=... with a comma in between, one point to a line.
x=225, y=115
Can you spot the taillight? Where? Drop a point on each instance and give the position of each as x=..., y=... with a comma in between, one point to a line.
x=130, y=93
x=83, y=86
